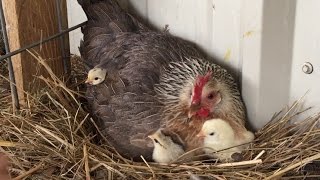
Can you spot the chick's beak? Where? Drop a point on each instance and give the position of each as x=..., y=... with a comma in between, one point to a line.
x=152, y=136
x=201, y=135
x=88, y=81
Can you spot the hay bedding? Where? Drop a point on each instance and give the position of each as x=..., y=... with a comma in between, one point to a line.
x=52, y=139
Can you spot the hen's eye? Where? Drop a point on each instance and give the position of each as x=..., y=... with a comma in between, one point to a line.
x=156, y=141
x=211, y=134
x=96, y=78
x=210, y=96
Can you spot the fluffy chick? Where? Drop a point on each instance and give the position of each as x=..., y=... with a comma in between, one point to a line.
x=217, y=135
x=96, y=76
x=168, y=146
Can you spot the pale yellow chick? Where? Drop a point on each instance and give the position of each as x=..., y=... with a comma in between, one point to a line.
x=96, y=76
x=168, y=146
x=217, y=135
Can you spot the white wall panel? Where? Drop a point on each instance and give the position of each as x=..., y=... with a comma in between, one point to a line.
x=267, y=56
x=306, y=49
x=251, y=29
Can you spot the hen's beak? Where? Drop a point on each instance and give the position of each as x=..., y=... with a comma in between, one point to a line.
x=201, y=135
x=194, y=107
x=190, y=114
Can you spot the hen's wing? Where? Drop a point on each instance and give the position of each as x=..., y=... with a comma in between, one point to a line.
x=126, y=118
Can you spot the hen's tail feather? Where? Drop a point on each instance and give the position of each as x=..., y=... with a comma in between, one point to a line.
x=105, y=19
x=106, y=16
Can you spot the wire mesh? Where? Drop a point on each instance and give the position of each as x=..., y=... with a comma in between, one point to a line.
x=7, y=56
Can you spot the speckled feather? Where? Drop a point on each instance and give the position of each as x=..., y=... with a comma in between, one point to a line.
x=126, y=105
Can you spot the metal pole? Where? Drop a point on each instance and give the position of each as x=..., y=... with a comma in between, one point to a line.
x=14, y=92
x=62, y=47
x=40, y=42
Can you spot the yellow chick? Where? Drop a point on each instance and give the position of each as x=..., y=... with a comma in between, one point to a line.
x=96, y=76
x=168, y=146
x=217, y=135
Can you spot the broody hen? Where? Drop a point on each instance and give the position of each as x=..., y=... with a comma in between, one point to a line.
x=152, y=79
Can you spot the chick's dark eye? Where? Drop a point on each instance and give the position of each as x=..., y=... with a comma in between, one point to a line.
x=211, y=134
x=96, y=78
x=156, y=141
x=210, y=96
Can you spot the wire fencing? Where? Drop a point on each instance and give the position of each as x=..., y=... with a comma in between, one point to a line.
x=7, y=54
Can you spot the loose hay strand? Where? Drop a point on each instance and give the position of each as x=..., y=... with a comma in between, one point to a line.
x=241, y=163
x=28, y=172
x=56, y=137
x=259, y=155
x=153, y=175
x=86, y=162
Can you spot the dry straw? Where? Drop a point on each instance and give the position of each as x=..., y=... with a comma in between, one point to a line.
x=54, y=139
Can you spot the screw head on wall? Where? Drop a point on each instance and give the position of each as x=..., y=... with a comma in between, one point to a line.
x=307, y=68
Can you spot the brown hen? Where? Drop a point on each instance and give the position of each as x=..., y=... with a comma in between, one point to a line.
x=153, y=79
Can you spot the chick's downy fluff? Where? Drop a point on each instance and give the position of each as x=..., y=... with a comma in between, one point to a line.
x=219, y=137
x=150, y=82
x=168, y=146
x=96, y=76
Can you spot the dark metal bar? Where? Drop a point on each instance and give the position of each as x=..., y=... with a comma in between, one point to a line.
x=62, y=47
x=41, y=42
x=13, y=87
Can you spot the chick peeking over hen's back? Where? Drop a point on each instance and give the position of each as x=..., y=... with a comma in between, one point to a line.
x=218, y=135
x=96, y=76
x=168, y=146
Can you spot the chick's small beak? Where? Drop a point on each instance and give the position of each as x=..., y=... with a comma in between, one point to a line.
x=201, y=135
x=88, y=81
x=150, y=136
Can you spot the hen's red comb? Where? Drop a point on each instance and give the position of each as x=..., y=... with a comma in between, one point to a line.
x=201, y=81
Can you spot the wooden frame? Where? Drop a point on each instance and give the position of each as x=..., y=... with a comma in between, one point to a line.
x=29, y=21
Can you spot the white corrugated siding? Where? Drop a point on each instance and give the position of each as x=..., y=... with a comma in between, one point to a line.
x=266, y=41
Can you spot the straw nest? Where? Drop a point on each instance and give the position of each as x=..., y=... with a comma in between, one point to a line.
x=53, y=138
